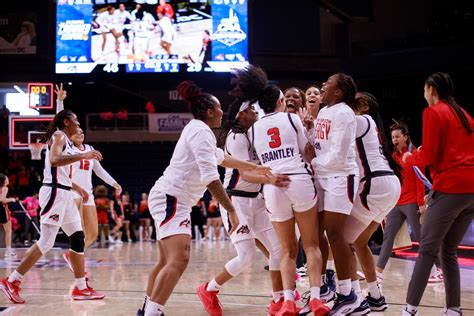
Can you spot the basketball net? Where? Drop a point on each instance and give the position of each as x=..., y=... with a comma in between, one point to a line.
x=36, y=149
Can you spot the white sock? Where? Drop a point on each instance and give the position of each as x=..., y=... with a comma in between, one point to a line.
x=374, y=290
x=147, y=298
x=345, y=287
x=8, y=249
x=356, y=286
x=277, y=295
x=315, y=290
x=153, y=309
x=213, y=286
x=289, y=295
x=412, y=309
x=330, y=265
x=379, y=275
x=15, y=276
x=80, y=283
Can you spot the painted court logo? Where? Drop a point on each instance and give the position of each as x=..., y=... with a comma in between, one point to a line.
x=244, y=229
x=54, y=217
x=185, y=223
x=229, y=31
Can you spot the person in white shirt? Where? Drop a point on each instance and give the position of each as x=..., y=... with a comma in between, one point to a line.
x=192, y=169
x=244, y=189
x=142, y=26
x=333, y=136
x=107, y=21
x=57, y=210
x=82, y=175
x=378, y=193
x=123, y=20
x=279, y=142
x=168, y=32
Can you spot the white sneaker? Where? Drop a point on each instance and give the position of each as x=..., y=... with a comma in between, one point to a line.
x=405, y=312
x=10, y=255
x=111, y=239
x=451, y=312
x=118, y=241
x=436, y=277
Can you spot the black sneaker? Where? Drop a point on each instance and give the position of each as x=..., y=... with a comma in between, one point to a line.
x=331, y=279
x=344, y=305
x=377, y=304
x=326, y=294
x=363, y=309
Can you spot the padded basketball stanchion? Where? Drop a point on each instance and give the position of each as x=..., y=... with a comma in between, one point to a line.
x=29, y=217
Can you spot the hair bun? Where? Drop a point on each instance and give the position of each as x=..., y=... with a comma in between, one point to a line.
x=188, y=90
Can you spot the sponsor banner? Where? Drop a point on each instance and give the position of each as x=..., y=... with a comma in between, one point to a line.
x=168, y=122
x=18, y=33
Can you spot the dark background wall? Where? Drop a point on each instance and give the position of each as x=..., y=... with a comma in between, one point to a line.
x=389, y=46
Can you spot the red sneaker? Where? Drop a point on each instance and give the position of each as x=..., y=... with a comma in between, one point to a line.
x=67, y=258
x=288, y=308
x=273, y=308
x=318, y=308
x=12, y=290
x=86, y=294
x=209, y=300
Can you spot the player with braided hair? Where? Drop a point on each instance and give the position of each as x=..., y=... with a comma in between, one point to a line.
x=192, y=169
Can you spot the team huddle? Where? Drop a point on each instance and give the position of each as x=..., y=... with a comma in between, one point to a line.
x=323, y=174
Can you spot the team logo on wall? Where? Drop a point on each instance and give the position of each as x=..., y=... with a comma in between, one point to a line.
x=229, y=31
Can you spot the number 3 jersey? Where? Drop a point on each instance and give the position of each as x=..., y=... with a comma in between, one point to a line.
x=279, y=141
x=81, y=171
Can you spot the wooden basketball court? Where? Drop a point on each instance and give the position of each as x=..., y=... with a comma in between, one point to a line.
x=121, y=273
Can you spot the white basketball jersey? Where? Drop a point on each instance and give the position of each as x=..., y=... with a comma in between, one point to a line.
x=238, y=145
x=58, y=175
x=370, y=156
x=334, y=142
x=279, y=141
x=82, y=169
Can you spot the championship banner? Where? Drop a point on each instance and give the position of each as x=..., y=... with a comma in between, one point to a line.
x=168, y=122
x=18, y=33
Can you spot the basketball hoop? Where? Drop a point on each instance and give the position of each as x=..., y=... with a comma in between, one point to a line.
x=36, y=149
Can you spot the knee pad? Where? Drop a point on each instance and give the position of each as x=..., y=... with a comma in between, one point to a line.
x=270, y=240
x=47, y=237
x=246, y=253
x=46, y=240
x=77, y=242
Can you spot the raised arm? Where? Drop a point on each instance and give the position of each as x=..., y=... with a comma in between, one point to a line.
x=57, y=158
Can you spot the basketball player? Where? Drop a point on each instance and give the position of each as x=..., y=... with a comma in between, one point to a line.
x=243, y=188
x=313, y=100
x=192, y=169
x=294, y=99
x=333, y=135
x=107, y=21
x=279, y=141
x=168, y=32
x=58, y=209
x=378, y=192
x=123, y=20
x=448, y=151
x=142, y=31
x=5, y=217
x=81, y=173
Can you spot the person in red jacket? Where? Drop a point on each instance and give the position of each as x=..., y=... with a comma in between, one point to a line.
x=448, y=151
x=412, y=197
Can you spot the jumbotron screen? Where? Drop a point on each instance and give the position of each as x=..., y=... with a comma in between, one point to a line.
x=151, y=36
